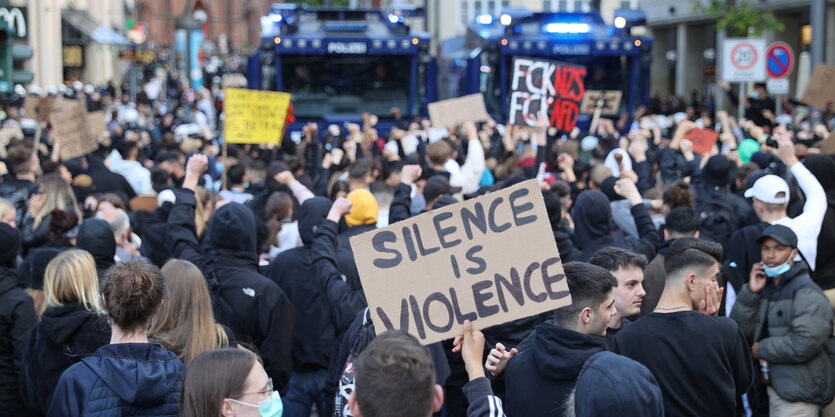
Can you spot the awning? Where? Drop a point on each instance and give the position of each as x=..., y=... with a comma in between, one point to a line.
x=85, y=24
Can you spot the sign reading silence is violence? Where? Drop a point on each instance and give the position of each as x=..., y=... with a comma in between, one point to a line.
x=489, y=260
x=539, y=84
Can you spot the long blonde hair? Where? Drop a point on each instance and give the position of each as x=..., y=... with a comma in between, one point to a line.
x=59, y=195
x=71, y=277
x=186, y=323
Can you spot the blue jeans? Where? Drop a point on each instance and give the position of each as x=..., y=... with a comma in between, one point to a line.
x=305, y=390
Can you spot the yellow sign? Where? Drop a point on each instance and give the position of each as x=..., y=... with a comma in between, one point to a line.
x=254, y=116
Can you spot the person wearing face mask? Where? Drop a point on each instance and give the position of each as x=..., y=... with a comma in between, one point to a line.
x=229, y=382
x=788, y=321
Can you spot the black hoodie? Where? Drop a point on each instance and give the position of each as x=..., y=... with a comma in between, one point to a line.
x=294, y=272
x=592, y=217
x=823, y=168
x=96, y=237
x=255, y=308
x=66, y=330
x=540, y=378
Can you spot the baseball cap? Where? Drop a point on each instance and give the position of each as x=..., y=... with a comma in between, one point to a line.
x=437, y=186
x=782, y=234
x=767, y=188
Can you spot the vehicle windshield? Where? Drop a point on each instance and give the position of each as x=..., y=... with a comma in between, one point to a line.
x=602, y=73
x=346, y=84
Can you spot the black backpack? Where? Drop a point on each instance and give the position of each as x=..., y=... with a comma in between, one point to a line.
x=718, y=219
x=364, y=336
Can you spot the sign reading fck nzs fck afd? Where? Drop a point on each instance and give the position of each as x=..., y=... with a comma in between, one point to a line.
x=542, y=85
x=489, y=260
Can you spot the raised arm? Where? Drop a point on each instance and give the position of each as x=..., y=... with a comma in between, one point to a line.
x=181, y=235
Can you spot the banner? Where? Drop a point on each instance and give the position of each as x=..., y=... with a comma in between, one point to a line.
x=448, y=113
x=555, y=87
x=254, y=116
x=490, y=260
x=69, y=128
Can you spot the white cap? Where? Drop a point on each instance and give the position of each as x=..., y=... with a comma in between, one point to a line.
x=767, y=188
x=165, y=195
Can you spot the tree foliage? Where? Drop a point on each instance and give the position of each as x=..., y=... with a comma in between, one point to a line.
x=739, y=18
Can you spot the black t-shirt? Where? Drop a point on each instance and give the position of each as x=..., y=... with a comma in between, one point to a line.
x=609, y=339
x=702, y=363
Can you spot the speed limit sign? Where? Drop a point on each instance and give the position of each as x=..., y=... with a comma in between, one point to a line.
x=743, y=60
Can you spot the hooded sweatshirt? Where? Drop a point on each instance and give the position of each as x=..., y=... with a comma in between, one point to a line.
x=592, y=227
x=294, y=272
x=68, y=329
x=96, y=236
x=823, y=168
x=540, y=379
x=610, y=384
x=139, y=379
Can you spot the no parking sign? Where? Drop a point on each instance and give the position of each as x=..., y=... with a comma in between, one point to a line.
x=743, y=60
x=779, y=62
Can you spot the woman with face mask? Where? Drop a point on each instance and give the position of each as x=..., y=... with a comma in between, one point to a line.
x=789, y=321
x=228, y=382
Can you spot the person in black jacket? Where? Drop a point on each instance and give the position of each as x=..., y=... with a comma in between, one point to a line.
x=17, y=317
x=315, y=333
x=73, y=324
x=593, y=223
x=542, y=375
x=255, y=308
x=96, y=237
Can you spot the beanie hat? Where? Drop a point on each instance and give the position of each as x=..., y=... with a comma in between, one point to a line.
x=364, y=209
x=718, y=172
x=746, y=149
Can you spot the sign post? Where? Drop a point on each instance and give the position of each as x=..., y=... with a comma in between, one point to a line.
x=779, y=62
x=743, y=61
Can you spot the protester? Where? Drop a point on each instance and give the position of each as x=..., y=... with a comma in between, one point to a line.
x=119, y=222
x=17, y=317
x=73, y=324
x=129, y=375
x=18, y=184
x=186, y=325
x=628, y=270
x=611, y=384
x=679, y=222
x=545, y=371
x=96, y=237
x=681, y=346
x=823, y=168
x=228, y=382
x=788, y=320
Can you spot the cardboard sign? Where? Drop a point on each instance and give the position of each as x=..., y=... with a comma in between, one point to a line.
x=69, y=128
x=254, y=116
x=828, y=145
x=96, y=124
x=489, y=260
x=703, y=139
x=820, y=90
x=448, y=113
x=542, y=85
x=30, y=108
x=609, y=102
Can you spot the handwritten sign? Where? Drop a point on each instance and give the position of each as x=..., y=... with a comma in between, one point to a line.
x=69, y=128
x=96, y=125
x=489, y=260
x=541, y=85
x=254, y=116
x=703, y=139
x=448, y=113
x=608, y=101
x=820, y=91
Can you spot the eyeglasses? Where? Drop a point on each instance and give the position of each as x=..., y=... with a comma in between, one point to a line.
x=268, y=390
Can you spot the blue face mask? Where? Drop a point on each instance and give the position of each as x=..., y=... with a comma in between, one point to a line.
x=755, y=95
x=271, y=407
x=774, y=272
x=219, y=167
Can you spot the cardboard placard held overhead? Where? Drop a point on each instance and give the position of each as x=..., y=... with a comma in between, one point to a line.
x=448, y=113
x=703, y=139
x=608, y=101
x=30, y=107
x=489, y=260
x=96, y=124
x=254, y=116
x=820, y=90
x=828, y=145
x=543, y=85
x=69, y=128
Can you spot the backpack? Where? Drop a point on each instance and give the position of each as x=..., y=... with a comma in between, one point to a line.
x=364, y=336
x=718, y=219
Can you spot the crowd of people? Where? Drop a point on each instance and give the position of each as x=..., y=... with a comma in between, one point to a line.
x=159, y=276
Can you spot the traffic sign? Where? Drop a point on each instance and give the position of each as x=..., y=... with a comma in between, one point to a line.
x=779, y=60
x=778, y=86
x=743, y=60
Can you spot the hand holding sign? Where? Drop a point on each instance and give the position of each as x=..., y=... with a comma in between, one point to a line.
x=471, y=346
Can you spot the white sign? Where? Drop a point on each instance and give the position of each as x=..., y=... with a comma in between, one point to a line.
x=777, y=86
x=346, y=47
x=743, y=60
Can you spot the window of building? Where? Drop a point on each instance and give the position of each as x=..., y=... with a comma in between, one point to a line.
x=563, y=5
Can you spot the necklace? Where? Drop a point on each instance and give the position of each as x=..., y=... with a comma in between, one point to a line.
x=673, y=308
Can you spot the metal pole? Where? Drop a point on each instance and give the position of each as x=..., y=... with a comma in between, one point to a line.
x=741, y=106
x=817, y=16
x=779, y=105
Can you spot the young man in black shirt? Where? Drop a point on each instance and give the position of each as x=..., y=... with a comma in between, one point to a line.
x=628, y=268
x=702, y=363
